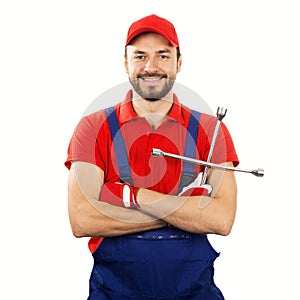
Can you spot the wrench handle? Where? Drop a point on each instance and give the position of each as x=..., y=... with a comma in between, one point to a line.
x=159, y=153
x=221, y=113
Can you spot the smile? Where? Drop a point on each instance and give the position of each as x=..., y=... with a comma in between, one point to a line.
x=152, y=79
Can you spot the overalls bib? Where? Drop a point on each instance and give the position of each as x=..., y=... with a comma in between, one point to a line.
x=166, y=264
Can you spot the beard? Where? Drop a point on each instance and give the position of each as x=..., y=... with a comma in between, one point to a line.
x=151, y=92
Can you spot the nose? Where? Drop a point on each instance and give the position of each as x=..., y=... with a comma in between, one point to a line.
x=150, y=66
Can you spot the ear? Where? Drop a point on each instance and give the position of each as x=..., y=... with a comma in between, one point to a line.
x=179, y=63
x=126, y=65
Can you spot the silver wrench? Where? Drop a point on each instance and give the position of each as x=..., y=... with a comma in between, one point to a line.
x=221, y=112
x=159, y=153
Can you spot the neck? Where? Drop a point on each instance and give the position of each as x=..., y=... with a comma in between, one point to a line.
x=143, y=107
x=154, y=111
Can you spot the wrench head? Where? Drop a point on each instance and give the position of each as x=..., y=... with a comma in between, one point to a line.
x=221, y=113
x=157, y=152
x=258, y=172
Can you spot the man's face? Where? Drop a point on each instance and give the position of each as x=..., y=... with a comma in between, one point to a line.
x=152, y=65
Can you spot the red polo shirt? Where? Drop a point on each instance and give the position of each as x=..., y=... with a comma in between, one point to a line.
x=92, y=142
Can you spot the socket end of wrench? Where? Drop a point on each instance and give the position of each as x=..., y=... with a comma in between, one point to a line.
x=157, y=152
x=221, y=113
x=258, y=172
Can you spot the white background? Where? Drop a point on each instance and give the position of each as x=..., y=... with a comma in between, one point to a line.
x=58, y=56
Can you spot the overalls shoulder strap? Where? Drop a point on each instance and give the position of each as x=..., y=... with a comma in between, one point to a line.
x=119, y=145
x=190, y=149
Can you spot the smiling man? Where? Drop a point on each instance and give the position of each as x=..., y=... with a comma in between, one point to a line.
x=148, y=238
x=152, y=70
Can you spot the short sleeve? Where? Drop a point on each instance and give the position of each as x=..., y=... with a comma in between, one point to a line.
x=84, y=143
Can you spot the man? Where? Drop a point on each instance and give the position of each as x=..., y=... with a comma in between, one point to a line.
x=147, y=218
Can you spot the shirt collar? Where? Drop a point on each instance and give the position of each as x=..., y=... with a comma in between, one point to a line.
x=127, y=112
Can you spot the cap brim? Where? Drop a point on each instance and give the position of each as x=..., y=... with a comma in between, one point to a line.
x=149, y=29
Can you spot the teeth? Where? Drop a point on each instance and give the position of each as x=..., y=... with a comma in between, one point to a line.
x=151, y=78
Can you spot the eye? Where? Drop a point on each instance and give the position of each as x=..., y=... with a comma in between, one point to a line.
x=164, y=57
x=139, y=57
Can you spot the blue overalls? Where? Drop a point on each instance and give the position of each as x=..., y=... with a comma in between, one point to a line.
x=166, y=264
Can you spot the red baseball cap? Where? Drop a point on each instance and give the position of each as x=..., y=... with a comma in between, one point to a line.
x=153, y=23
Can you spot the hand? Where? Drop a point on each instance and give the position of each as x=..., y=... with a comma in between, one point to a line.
x=119, y=194
x=203, y=190
x=196, y=189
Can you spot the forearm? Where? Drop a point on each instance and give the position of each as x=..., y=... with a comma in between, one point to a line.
x=199, y=214
x=188, y=213
x=93, y=218
x=99, y=219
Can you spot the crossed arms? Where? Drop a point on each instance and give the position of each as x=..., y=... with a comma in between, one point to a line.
x=198, y=214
